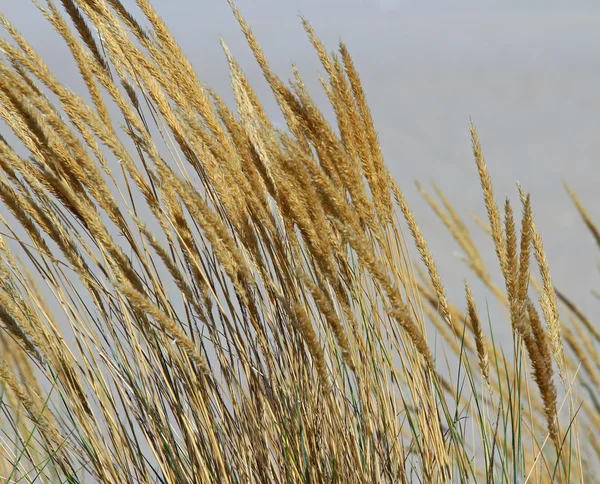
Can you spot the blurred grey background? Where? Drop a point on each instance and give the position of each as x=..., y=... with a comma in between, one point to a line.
x=527, y=73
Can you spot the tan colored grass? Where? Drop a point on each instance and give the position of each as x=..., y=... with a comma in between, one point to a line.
x=490, y=203
x=189, y=294
x=484, y=360
x=549, y=305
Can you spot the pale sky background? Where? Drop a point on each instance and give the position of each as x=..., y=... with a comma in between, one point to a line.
x=528, y=76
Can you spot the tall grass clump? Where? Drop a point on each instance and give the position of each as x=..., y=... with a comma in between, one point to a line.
x=190, y=294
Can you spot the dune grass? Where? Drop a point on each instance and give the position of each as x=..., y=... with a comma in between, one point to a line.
x=190, y=294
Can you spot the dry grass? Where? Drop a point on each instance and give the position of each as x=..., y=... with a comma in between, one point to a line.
x=188, y=294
